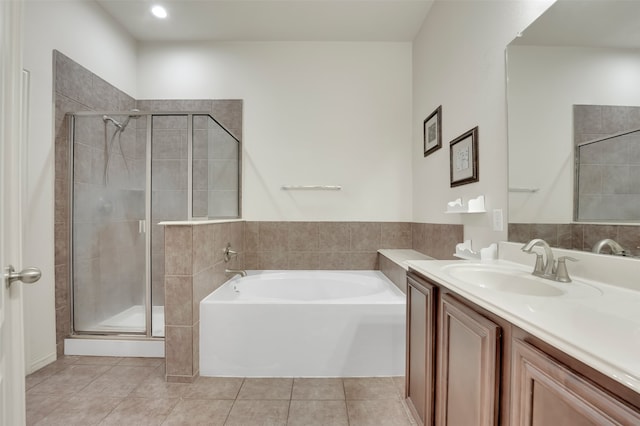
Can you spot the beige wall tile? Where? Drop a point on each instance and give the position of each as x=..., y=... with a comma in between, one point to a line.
x=334, y=261
x=196, y=349
x=250, y=261
x=273, y=260
x=178, y=300
x=303, y=260
x=519, y=232
x=334, y=236
x=178, y=242
x=363, y=261
x=251, y=230
x=179, y=351
x=395, y=235
x=394, y=272
x=203, y=246
x=303, y=236
x=272, y=236
x=365, y=236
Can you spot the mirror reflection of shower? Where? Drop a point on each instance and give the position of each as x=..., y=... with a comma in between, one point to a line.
x=119, y=129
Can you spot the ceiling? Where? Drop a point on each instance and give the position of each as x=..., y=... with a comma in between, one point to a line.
x=268, y=20
x=587, y=23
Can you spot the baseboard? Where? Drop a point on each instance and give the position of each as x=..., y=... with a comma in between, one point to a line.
x=42, y=362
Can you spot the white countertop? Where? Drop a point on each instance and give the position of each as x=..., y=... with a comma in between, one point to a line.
x=401, y=256
x=602, y=331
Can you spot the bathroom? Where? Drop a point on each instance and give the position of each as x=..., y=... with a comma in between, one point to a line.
x=313, y=113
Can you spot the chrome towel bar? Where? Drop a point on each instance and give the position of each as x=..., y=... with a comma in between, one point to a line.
x=312, y=187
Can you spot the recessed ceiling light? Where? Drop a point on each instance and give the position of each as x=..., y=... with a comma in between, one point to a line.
x=159, y=12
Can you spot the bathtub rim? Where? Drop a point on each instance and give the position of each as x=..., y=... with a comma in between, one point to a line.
x=398, y=297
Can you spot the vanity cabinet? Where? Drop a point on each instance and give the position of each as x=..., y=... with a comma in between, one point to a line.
x=468, y=366
x=420, y=364
x=546, y=392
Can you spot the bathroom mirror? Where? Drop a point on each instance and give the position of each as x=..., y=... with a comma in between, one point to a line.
x=576, y=53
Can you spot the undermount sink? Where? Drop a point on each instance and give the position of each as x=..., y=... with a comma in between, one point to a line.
x=514, y=280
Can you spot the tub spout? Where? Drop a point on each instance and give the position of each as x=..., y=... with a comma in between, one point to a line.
x=230, y=272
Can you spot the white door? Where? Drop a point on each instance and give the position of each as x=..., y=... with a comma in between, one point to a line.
x=12, y=405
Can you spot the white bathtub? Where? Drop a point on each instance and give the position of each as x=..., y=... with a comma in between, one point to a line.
x=304, y=324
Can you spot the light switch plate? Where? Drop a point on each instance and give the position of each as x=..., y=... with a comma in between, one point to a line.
x=498, y=220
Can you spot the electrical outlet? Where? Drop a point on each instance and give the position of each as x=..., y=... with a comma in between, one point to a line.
x=498, y=221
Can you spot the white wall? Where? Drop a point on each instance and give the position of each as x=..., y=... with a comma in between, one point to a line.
x=314, y=114
x=458, y=62
x=541, y=125
x=82, y=31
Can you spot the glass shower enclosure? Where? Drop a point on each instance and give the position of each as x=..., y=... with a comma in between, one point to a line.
x=130, y=171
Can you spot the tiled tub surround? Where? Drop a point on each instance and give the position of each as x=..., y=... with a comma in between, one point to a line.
x=577, y=236
x=194, y=266
x=77, y=89
x=393, y=264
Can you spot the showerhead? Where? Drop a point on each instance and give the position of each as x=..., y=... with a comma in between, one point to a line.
x=115, y=122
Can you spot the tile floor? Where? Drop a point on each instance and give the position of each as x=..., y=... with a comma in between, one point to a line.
x=131, y=391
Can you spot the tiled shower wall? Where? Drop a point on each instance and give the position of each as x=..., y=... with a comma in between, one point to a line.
x=77, y=89
x=577, y=236
x=194, y=265
x=609, y=170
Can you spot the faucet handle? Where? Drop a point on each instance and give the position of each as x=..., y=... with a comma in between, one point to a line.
x=562, y=275
x=228, y=253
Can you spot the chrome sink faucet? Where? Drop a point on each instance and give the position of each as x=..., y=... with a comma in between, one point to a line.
x=548, y=268
x=542, y=269
x=616, y=249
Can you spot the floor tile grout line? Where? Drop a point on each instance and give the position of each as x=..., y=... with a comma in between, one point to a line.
x=346, y=404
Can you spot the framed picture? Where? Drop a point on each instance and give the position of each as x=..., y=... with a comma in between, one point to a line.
x=463, y=161
x=432, y=130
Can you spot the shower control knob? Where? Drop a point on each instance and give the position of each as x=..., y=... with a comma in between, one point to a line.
x=27, y=275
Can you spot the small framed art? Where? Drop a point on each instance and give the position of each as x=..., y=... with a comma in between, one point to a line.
x=432, y=130
x=463, y=158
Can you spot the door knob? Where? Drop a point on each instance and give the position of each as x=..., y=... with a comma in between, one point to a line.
x=27, y=275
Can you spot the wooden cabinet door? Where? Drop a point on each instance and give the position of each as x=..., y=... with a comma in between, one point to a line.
x=468, y=367
x=545, y=392
x=420, y=365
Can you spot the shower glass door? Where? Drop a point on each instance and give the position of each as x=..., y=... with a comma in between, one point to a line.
x=130, y=172
x=108, y=235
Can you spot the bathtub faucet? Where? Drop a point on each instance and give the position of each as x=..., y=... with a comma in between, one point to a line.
x=241, y=272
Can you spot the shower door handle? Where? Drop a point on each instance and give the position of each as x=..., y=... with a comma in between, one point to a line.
x=27, y=275
x=142, y=226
